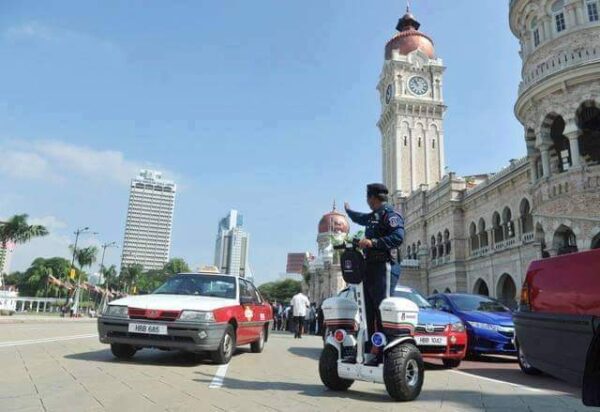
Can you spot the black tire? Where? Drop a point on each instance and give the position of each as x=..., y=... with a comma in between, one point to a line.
x=403, y=372
x=328, y=370
x=259, y=345
x=451, y=363
x=525, y=366
x=122, y=351
x=226, y=348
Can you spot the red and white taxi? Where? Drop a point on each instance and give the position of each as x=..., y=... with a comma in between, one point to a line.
x=194, y=312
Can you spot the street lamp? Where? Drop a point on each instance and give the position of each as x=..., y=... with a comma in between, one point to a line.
x=104, y=247
x=77, y=233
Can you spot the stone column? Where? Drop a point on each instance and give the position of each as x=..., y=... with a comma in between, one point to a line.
x=547, y=24
x=572, y=133
x=546, y=160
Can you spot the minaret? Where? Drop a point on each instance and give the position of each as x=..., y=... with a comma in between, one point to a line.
x=412, y=109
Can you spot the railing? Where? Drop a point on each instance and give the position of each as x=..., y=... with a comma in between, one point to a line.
x=528, y=237
x=410, y=263
x=557, y=63
x=482, y=251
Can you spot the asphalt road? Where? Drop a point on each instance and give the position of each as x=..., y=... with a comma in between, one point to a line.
x=59, y=365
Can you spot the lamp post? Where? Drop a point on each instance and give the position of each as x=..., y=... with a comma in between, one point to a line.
x=78, y=232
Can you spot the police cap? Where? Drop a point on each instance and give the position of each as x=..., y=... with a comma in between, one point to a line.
x=375, y=189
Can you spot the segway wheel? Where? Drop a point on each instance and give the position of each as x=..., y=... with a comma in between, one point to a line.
x=328, y=370
x=403, y=372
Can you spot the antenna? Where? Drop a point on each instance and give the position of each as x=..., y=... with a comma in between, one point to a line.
x=408, y=6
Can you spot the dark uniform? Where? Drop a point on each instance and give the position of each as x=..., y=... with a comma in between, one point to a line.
x=385, y=228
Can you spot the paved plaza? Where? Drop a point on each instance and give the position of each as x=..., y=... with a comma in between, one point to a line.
x=59, y=365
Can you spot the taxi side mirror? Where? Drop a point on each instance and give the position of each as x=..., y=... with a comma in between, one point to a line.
x=246, y=300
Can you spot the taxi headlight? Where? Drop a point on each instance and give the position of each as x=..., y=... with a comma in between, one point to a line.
x=457, y=327
x=116, y=311
x=196, y=316
x=486, y=326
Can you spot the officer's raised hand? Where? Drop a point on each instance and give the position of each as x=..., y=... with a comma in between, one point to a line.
x=365, y=243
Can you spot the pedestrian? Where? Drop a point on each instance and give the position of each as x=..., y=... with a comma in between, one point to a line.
x=312, y=318
x=320, y=321
x=274, y=311
x=300, y=304
x=384, y=234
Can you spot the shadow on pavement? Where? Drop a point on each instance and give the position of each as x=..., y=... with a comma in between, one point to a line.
x=152, y=357
x=313, y=390
x=311, y=353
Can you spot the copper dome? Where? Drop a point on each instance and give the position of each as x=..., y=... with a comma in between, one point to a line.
x=334, y=222
x=409, y=39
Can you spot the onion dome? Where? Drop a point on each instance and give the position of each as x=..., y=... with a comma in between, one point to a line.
x=334, y=222
x=409, y=38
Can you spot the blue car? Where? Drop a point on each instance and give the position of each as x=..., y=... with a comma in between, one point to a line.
x=489, y=323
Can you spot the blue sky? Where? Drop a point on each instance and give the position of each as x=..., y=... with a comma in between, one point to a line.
x=265, y=106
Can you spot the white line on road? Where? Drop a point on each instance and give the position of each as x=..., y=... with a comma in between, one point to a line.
x=217, y=381
x=45, y=340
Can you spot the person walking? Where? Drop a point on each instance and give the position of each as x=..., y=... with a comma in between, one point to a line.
x=300, y=304
x=312, y=318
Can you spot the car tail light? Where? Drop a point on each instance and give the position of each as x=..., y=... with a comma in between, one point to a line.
x=339, y=335
x=525, y=302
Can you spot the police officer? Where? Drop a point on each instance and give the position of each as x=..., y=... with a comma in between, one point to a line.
x=384, y=234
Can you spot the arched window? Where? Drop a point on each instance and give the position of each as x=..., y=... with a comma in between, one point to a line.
x=508, y=224
x=564, y=240
x=447, y=290
x=481, y=288
x=483, y=234
x=506, y=291
x=433, y=248
x=526, y=217
x=433, y=144
x=419, y=142
x=588, y=120
x=497, y=228
x=447, y=244
x=440, y=245
x=535, y=32
x=559, y=15
x=405, y=141
x=414, y=251
x=595, y=242
x=474, y=239
x=592, y=10
x=418, y=251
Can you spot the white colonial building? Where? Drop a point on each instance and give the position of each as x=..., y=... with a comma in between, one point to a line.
x=479, y=233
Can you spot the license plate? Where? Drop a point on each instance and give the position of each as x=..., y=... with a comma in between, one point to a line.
x=432, y=340
x=147, y=328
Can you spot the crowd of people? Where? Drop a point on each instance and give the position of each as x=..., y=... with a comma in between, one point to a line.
x=300, y=316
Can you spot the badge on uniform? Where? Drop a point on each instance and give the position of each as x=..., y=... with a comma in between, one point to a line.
x=394, y=221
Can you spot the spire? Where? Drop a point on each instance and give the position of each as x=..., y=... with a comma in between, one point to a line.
x=408, y=21
x=334, y=209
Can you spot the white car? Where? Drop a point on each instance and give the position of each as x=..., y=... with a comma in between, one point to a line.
x=193, y=312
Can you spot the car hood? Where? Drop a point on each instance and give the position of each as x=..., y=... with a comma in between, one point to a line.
x=436, y=317
x=495, y=318
x=174, y=302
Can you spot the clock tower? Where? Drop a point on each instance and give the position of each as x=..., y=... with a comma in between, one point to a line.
x=412, y=110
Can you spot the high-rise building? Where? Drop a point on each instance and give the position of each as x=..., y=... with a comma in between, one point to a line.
x=6, y=257
x=231, y=250
x=149, y=221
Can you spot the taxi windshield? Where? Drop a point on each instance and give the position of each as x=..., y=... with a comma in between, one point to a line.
x=199, y=285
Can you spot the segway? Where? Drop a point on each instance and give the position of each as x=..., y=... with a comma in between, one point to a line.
x=344, y=360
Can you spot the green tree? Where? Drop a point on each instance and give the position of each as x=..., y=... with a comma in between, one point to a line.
x=110, y=275
x=176, y=265
x=280, y=291
x=130, y=276
x=17, y=230
x=34, y=281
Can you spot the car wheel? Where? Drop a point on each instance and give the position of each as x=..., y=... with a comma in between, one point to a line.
x=226, y=348
x=403, y=372
x=122, y=351
x=525, y=366
x=259, y=345
x=451, y=363
x=328, y=370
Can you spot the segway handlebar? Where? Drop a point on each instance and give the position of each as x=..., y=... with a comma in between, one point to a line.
x=348, y=245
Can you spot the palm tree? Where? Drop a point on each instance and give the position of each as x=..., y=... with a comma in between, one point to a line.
x=17, y=230
x=131, y=274
x=86, y=257
x=110, y=276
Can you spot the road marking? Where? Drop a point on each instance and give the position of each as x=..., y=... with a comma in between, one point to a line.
x=217, y=381
x=517, y=385
x=46, y=340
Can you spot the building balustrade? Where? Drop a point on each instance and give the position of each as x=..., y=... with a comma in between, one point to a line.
x=528, y=237
x=410, y=263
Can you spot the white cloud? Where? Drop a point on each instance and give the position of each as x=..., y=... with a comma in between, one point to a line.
x=51, y=160
x=50, y=222
x=31, y=29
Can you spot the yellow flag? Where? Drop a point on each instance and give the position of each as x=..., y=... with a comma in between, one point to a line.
x=72, y=273
x=134, y=290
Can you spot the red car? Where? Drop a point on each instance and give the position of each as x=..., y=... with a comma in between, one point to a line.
x=558, y=322
x=193, y=312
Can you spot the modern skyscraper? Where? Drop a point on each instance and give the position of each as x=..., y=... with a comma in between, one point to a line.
x=149, y=221
x=231, y=250
x=6, y=257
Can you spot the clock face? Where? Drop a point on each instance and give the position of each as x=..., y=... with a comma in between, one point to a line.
x=418, y=85
x=389, y=93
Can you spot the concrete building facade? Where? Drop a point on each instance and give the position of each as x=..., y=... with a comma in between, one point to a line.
x=149, y=221
x=232, y=244
x=479, y=233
